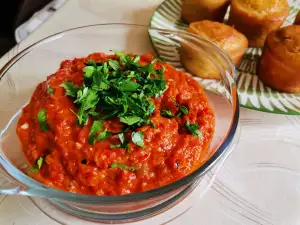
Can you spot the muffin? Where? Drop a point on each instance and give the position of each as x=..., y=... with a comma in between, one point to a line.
x=257, y=18
x=297, y=20
x=280, y=62
x=197, y=10
x=226, y=37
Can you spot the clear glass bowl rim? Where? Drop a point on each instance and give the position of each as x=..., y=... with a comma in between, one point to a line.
x=35, y=188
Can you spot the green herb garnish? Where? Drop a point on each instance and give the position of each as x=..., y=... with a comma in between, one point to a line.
x=124, y=143
x=88, y=100
x=88, y=71
x=42, y=120
x=71, y=89
x=122, y=166
x=50, y=90
x=104, y=135
x=122, y=138
x=138, y=138
x=130, y=120
x=38, y=164
x=116, y=146
x=193, y=129
x=184, y=110
x=96, y=127
x=166, y=113
x=114, y=64
x=117, y=88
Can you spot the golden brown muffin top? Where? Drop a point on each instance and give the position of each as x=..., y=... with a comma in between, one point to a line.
x=262, y=8
x=285, y=44
x=223, y=35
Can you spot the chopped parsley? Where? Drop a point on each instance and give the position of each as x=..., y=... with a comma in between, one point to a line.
x=122, y=138
x=96, y=127
x=104, y=135
x=130, y=120
x=42, y=120
x=122, y=166
x=124, y=143
x=193, y=129
x=88, y=71
x=184, y=110
x=50, y=90
x=116, y=146
x=38, y=164
x=71, y=89
x=117, y=88
x=166, y=113
x=114, y=64
x=138, y=138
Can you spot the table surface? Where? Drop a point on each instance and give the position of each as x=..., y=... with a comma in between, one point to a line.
x=257, y=183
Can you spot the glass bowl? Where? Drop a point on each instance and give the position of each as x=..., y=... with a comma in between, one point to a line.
x=22, y=73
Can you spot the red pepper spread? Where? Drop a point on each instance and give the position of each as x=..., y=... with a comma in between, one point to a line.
x=114, y=125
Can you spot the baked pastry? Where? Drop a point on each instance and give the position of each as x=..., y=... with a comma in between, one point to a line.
x=257, y=18
x=196, y=10
x=226, y=37
x=280, y=62
x=297, y=20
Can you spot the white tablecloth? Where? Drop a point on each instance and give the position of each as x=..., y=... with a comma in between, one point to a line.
x=258, y=183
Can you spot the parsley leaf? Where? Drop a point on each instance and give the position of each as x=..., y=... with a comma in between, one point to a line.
x=178, y=115
x=114, y=64
x=130, y=120
x=93, y=113
x=88, y=71
x=38, y=164
x=88, y=99
x=184, y=110
x=96, y=127
x=193, y=129
x=42, y=116
x=136, y=59
x=123, y=144
x=116, y=146
x=138, y=138
x=120, y=54
x=124, y=59
x=44, y=127
x=128, y=86
x=166, y=113
x=104, y=135
x=71, y=89
x=122, y=138
x=42, y=120
x=50, y=90
x=122, y=166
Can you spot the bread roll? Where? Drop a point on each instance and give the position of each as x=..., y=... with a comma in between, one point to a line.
x=279, y=66
x=226, y=37
x=297, y=20
x=257, y=18
x=196, y=10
